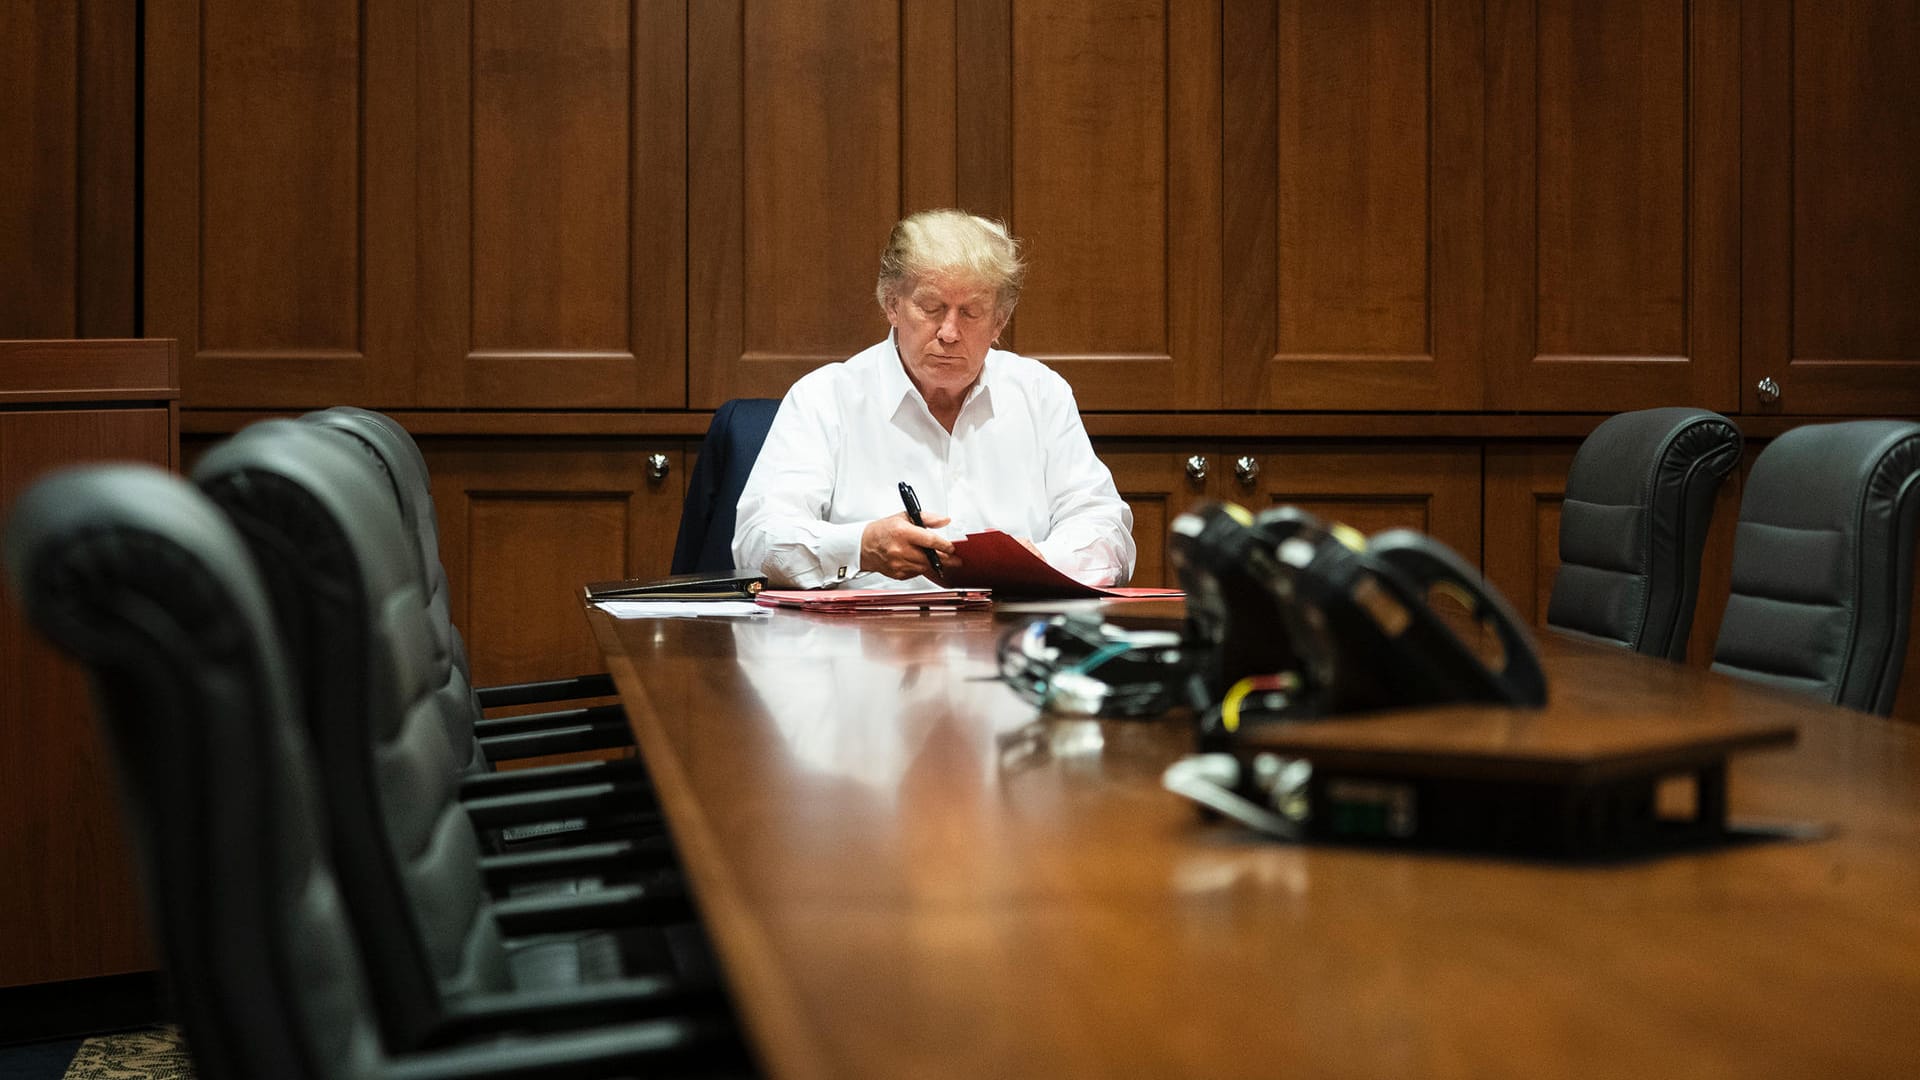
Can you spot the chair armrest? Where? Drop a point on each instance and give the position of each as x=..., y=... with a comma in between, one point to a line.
x=589, y=1005
x=601, y=909
x=558, y=718
x=632, y=802
x=643, y=1048
x=625, y=771
x=528, y=693
x=609, y=858
x=568, y=740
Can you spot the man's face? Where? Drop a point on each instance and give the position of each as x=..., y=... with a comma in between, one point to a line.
x=943, y=329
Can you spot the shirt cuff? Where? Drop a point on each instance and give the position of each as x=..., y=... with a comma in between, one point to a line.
x=832, y=559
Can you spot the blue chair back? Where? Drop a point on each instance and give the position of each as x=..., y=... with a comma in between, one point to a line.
x=733, y=442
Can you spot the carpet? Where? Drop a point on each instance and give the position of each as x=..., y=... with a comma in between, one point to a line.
x=148, y=1054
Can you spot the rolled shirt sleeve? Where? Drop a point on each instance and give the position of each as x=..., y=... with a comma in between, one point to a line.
x=1090, y=537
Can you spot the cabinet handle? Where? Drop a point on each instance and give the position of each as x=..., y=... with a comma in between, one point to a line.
x=1197, y=468
x=658, y=466
x=1769, y=390
x=1246, y=469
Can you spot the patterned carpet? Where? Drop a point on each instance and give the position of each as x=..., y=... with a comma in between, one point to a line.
x=146, y=1054
x=150, y=1054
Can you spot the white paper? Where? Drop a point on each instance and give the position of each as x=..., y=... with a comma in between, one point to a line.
x=681, y=609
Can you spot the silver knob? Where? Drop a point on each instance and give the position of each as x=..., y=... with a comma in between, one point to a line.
x=1769, y=390
x=657, y=466
x=1197, y=468
x=1246, y=469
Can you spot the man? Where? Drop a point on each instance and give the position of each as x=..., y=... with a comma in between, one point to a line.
x=988, y=439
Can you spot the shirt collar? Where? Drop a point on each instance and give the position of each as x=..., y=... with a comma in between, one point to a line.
x=897, y=388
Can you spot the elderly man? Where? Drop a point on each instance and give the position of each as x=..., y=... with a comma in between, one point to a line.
x=987, y=438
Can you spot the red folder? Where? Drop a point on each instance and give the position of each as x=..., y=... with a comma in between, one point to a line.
x=872, y=601
x=994, y=560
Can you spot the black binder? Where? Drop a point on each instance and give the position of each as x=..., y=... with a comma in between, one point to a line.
x=732, y=585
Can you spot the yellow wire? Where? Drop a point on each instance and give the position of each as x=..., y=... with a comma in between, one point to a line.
x=1230, y=704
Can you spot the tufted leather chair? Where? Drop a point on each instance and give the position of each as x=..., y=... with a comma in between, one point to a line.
x=1638, y=501
x=1823, y=563
x=733, y=442
x=398, y=458
x=145, y=583
x=347, y=586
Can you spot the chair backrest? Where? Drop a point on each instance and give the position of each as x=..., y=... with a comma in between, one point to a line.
x=399, y=459
x=1639, y=498
x=1823, y=563
x=145, y=583
x=727, y=454
x=347, y=590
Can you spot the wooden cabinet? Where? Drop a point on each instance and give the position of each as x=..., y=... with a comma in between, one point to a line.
x=1432, y=488
x=524, y=522
x=73, y=909
x=1300, y=206
x=1613, y=226
x=69, y=94
x=1355, y=176
x=1830, y=175
x=1242, y=205
x=418, y=203
x=813, y=128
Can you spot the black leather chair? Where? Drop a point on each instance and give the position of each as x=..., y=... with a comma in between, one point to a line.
x=514, y=809
x=146, y=584
x=733, y=442
x=1823, y=563
x=346, y=584
x=1639, y=498
x=593, y=727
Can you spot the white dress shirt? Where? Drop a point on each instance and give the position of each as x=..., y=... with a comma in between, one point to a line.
x=847, y=434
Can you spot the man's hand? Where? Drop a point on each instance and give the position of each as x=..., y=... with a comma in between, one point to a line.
x=897, y=547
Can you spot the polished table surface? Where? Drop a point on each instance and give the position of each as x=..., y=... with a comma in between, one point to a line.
x=908, y=873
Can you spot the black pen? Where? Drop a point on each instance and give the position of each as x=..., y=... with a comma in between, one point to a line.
x=913, y=514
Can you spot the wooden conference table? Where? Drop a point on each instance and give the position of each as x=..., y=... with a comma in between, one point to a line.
x=908, y=874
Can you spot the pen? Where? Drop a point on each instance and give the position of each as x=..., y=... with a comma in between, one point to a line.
x=913, y=514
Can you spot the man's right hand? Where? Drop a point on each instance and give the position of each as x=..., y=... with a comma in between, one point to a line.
x=897, y=547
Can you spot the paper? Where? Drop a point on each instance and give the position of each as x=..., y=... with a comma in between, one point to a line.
x=680, y=609
x=994, y=560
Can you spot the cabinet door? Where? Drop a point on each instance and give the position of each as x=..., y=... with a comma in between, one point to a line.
x=1434, y=489
x=1613, y=187
x=1832, y=233
x=525, y=523
x=1093, y=127
x=68, y=98
x=1158, y=485
x=279, y=187
x=814, y=127
x=552, y=204
x=1352, y=219
x=73, y=909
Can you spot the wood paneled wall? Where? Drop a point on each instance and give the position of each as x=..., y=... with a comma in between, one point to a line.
x=69, y=93
x=433, y=204
x=1466, y=205
x=1298, y=221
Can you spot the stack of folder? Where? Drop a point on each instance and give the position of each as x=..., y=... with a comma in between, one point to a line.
x=874, y=601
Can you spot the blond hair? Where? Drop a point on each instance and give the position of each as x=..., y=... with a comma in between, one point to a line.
x=952, y=244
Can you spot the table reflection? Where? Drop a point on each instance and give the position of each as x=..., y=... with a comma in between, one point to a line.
x=868, y=700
